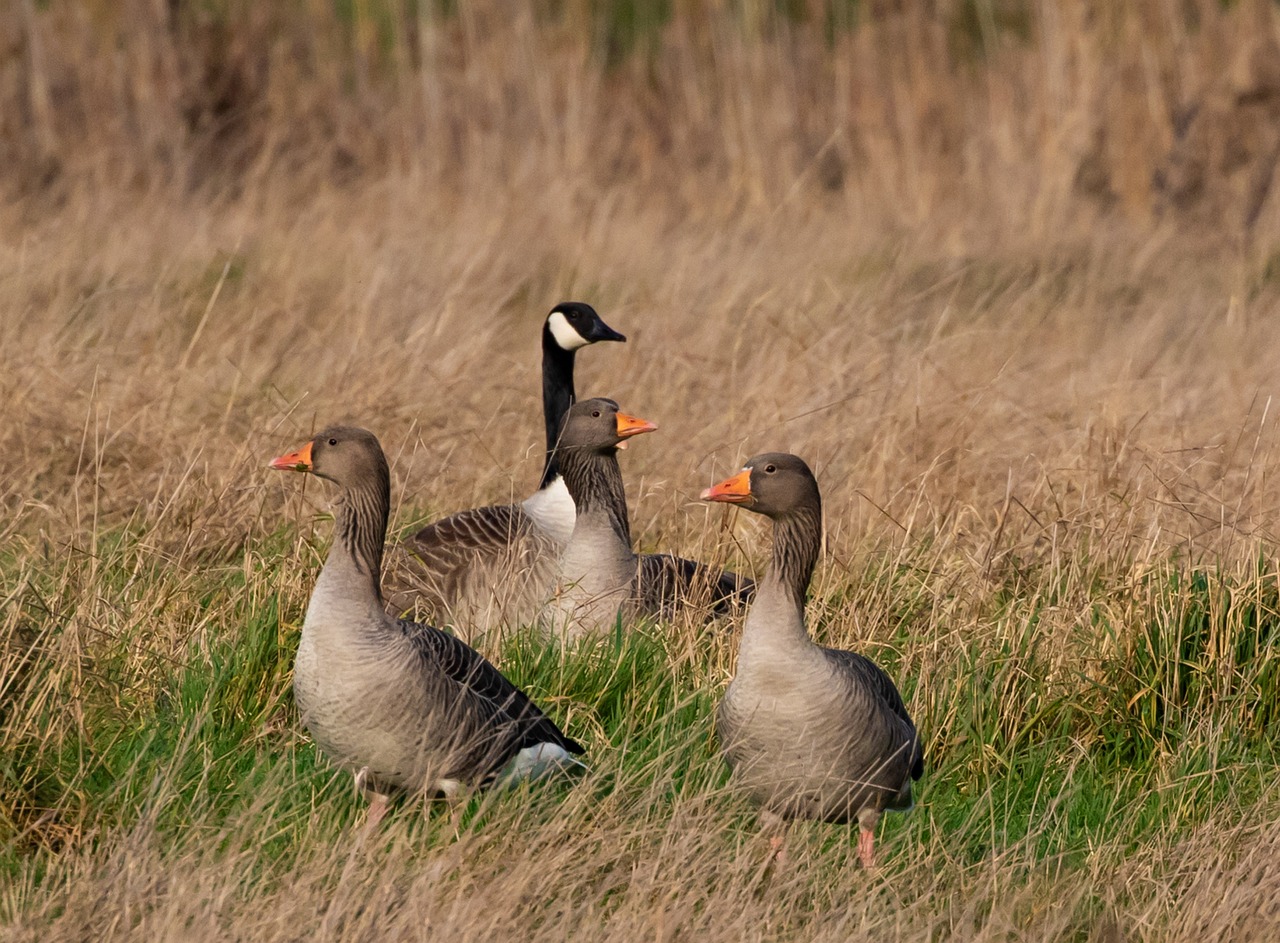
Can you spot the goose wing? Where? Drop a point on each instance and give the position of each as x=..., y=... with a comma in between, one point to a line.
x=462, y=564
x=667, y=582
x=495, y=704
x=872, y=678
x=455, y=541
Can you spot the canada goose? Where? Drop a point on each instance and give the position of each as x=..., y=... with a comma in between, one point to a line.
x=599, y=574
x=404, y=706
x=810, y=732
x=490, y=565
x=570, y=326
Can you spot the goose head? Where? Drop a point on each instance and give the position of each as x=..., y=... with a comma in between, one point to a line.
x=573, y=324
x=345, y=455
x=596, y=425
x=776, y=484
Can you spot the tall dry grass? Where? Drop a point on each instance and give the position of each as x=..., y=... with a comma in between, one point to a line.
x=1003, y=273
x=964, y=119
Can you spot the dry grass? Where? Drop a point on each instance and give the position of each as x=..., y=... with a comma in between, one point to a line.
x=1035, y=384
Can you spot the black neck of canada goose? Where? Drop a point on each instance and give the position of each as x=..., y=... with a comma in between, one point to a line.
x=570, y=325
x=557, y=396
x=594, y=481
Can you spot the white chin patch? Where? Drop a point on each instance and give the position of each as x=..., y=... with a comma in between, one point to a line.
x=565, y=335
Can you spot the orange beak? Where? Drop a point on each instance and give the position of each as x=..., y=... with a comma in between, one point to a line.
x=630, y=425
x=735, y=490
x=299, y=460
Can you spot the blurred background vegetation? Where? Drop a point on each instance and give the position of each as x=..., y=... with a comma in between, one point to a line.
x=991, y=115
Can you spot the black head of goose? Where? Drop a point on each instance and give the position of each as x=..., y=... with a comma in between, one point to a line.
x=493, y=565
x=810, y=732
x=404, y=706
x=570, y=326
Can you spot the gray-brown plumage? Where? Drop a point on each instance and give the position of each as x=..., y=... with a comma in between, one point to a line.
x=810, y=732
x=495, y=565
x=669, y=584
x=600, y=578
x=404, y=706
x=477, y=570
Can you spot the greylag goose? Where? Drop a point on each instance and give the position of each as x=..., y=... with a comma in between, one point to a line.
x=490, y=565
x=404, y=706
x=810, y=732
x=599, y=574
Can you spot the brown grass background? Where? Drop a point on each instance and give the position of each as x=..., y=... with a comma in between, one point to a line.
x=1005, y=273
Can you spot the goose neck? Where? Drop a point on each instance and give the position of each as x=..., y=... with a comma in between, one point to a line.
x=595, y=484
x=797, y=542
x=360, y=529
x=775, y=627
x=557, y=397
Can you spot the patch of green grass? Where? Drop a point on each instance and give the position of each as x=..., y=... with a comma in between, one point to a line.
x=1026, y=757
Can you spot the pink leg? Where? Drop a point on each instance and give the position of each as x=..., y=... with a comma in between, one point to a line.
x=778, y=848
x=378, y=804
x=866, y=848
x=775, y=826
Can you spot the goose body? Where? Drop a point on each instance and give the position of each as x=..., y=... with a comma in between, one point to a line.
x=496, y=564
x=404, y=705
x=600, y=577
x=810, y=732
x=597, y=578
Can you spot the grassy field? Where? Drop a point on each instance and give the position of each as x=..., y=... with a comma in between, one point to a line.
x=946, y=252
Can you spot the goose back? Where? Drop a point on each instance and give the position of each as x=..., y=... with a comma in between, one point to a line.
x=669, y=584
x=475, y=570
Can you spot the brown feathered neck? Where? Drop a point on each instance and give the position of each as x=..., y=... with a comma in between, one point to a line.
x=594, y=481
x=797, y=543
x=360, y=523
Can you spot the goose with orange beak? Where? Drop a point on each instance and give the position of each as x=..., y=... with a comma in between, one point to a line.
x=494, y=565
x=597, y=580
x=809, y=732
x=600, y=579
x=403, y=706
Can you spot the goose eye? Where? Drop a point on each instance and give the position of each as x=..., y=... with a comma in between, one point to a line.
x=595, y=414
x=333, y=441
x=770, y=469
